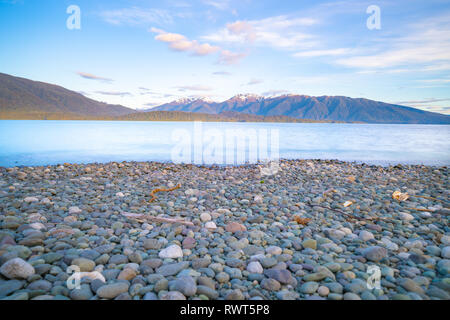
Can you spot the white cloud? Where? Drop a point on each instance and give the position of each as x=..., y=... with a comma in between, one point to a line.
x=90, y=76
x=179, y=42
x=439, y=109
x=222, y=73
x=114, y=93
x=321, y=53
x=194, y=88
x=278, y=32
x=427, y=44
x=205, y=49
x=218, y=4
x=182, y=45
x=435, y=80
x=227, y=57
x=432, y=100
x=136, y=16
x=274, y=93
x=255, y=81
x=170, y=37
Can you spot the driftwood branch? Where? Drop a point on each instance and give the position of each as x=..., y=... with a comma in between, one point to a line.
x=156, y=219
x=153, y=193
x=347, y=214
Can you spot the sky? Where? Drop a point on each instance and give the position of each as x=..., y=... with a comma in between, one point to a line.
x=141, y=54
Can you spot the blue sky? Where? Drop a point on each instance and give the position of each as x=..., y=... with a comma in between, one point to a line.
x=145, y=53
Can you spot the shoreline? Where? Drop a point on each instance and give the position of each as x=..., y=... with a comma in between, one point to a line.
x=309, y=231
x=374, y=163
x=300, y=121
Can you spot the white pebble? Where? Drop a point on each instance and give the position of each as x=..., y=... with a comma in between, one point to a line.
x=171, y=252
x=255, y=267
x=205, y=217
x=210, y=225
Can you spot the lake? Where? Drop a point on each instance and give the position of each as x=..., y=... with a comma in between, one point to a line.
x=32, y=143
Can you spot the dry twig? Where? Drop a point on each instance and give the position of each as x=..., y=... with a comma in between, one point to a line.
x=152, y=194
x=156, y=219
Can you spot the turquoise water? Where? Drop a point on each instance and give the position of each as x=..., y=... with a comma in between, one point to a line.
x=30, y=143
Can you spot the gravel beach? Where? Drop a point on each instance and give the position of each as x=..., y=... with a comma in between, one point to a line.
x=313, y=230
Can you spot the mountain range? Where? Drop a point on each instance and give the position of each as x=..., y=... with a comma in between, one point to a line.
x=330, y=108
x=21, y=98
x=27, y=98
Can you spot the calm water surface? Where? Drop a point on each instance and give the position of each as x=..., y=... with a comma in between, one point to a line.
x=30, y=143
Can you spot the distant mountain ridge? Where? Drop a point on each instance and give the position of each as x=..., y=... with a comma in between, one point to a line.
x=20, y=96
x=26, y=99
x=330, y=108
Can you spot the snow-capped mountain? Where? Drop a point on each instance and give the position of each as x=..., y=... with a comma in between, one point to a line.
x=336, y=108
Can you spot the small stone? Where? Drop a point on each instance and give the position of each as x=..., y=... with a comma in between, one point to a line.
x=375, y=254
x=310, y=243
x=117, y=225
x=17, y=269
x=161, y=285
x=111, y=291
x=223, y=277
x=335, y=296
x=437, y=293
x=173, y=295
x=188, y=243
x=74, y=210
x=127, y=274
x=406, y=216
x=323, y=291
x=18, y=296
x=270, y=285
x=171, y=252
x=9, y=286
x=210, y=225
x=172, y=269
x=30, y=199
x=268, y=262
x=351, y=296
x=185, y=285
x=152, y=244
x=234, y=227
x=85, y=265
x=445, y=252
x=282, y=276
x=83, y=293
x=356, y=286
x=123, y=296
x=235, y=295
x=287, y=295
x=205, y=217
x=367, y=295
x=274, y=250
x=255, y=267
x=445, y=240
x=118, y=259
x=150, y=296
x=309, y=287
x=70, y=219
x=135, y=257
x=366, y=235
x=410, y=285
x=258, y=199
x=207, y=291
x=43, y=285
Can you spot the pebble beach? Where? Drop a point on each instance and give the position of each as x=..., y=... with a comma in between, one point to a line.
x=309, y=231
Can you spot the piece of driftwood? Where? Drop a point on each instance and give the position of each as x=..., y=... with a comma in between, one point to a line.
x=152, y=194
x=347, y=214
x=138, y=216
x=430, y=198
